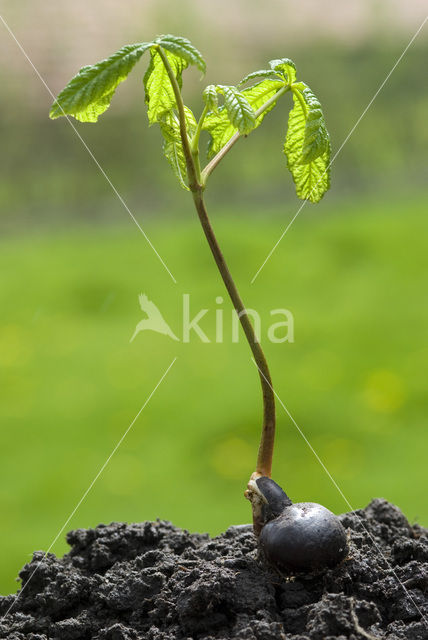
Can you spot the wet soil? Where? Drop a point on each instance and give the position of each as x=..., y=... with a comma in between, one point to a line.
x=154, y=581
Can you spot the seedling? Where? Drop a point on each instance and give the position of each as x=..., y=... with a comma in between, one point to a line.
x=301, y=536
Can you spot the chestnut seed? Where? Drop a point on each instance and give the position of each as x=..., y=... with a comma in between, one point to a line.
x=304, y=537
x=274, y=498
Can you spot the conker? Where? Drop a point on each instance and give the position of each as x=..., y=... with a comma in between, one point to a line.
x=304, y=536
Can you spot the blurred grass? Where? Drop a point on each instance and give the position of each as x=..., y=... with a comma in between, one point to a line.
x=354, y=277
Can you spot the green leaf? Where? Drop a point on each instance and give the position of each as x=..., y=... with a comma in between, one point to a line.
x=89, y=93
x=172, y=146
x=160, y=96
x=218, y=124
x=260, y=93
x=183, y=48
x=316, y=135
x=311, y=177
x=285, y=67
x=220, y=129
x=263, y=73
x=210, y=97
x=238, y=109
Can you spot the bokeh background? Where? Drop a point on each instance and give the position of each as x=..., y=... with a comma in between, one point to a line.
x=352, y=270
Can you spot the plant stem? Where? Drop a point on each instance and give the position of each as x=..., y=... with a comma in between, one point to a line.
x=227, y=147
x=219, y=156
x=265, y=454
x=194, y=146
x=195, y=141
x=300, y=99
x=192, y=167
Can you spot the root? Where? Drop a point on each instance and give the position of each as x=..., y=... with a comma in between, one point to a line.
x=358, y=628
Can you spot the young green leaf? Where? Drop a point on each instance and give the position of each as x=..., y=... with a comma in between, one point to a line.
x=89, y=93
x=191, y=123
x=285, y=67
x=311, y=173
x=172, y=146
x=316, y=135
x=260, y=93
x=263, y=73
x=183, y=48
x=210, y=97
x=218, y=124
x=220, y=129
x=160, y=96
x=238, y=109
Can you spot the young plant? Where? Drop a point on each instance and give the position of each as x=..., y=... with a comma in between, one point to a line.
x=230, y=113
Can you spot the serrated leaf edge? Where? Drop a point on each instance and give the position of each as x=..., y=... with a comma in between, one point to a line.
x=179, y=46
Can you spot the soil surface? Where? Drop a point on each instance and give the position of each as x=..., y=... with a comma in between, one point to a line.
x=151, y=580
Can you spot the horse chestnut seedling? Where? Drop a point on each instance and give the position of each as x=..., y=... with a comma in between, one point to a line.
x=296, y=537
x=292, y=536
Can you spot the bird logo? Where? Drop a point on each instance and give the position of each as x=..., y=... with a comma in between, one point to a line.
x=154, y=320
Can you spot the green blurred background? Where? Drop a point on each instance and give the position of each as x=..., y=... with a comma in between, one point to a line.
x=352, y=270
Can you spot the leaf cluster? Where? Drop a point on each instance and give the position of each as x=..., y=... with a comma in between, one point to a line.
x=242, y=110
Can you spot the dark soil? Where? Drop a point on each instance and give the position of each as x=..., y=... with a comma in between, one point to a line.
x=157, y=582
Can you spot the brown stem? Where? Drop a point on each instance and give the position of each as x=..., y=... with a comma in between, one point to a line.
x=264, y=458
x=265, y=454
